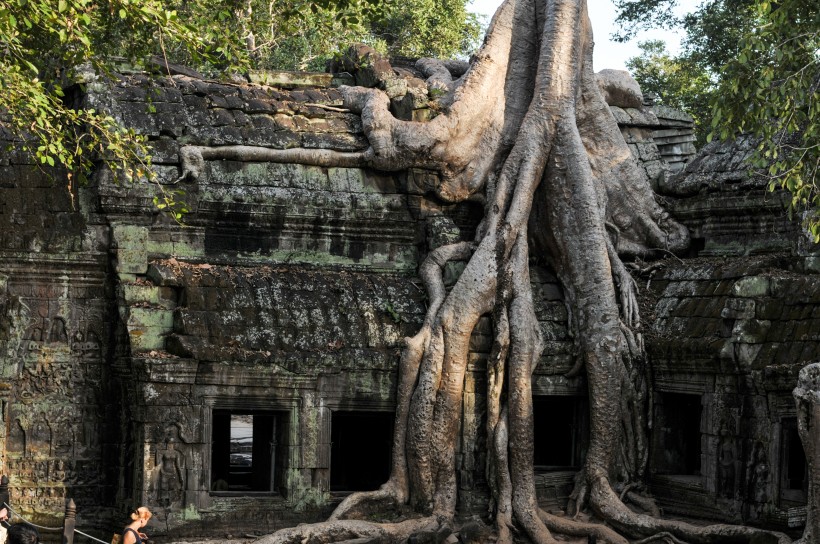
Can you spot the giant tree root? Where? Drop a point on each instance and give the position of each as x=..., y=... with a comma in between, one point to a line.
x=192, y=157
x=571, y=527
x=610, y=508
x=528, y=128
x=340, y=530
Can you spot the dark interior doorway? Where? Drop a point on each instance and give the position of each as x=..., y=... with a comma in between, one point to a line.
x=559, y=431
x=360, y=450
x=678, y=438
x=794, y=470
x=248, y=451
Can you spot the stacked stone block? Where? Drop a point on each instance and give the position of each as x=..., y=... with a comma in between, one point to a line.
x=674, y=136
x=735, y=332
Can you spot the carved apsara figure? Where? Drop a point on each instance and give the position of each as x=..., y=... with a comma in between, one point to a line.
x=171, y=482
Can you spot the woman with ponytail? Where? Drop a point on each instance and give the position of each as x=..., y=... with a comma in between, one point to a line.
x=139, y=519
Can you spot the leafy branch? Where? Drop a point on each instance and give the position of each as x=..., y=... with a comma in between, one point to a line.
x=770, y=90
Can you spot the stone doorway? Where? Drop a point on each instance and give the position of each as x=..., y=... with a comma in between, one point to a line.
x=360, y=450
x=248, y=451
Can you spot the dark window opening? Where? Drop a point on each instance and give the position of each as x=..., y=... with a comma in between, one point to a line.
x=794, y=471
x=248, y=451
x=678, y=439
x=559, y=431
x=696, y=245
x=360, y=450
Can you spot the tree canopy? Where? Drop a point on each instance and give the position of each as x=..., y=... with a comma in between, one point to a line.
x=756, y=62
x=678, y=82
x=305, y=34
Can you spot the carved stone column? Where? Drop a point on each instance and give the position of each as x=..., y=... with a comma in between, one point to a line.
x=807, y=397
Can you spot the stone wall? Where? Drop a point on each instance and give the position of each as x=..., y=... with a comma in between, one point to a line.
x=55, y=345
x=674, y=136
x=733, y=333
x=126, y=337
x=751, y=219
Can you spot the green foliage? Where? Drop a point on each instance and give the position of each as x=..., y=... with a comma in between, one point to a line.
x=45, y=45
x=305, y=34
x=762, y=57
x=770, y=90
x=677, y=81
x=636, y=15
x=391, y=311
x=168, y=200
x=428, y=28
x=713, y=32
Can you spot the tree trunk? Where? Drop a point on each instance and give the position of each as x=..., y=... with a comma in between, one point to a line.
x=807, y=397
x=526, y=128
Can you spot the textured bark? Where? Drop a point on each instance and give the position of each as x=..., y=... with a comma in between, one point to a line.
x=342, y=530
x=526, y=130
x=807, y=397
x=193, y=157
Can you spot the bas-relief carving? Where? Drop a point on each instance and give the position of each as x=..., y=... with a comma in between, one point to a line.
x=14, y=315
x=43, y=471
x=51, y=353
x=727, y=458
x=63, y=424
x=728, y=454
x=171, y=484
x=39, y=438
x=89, y=433
x=36, y=434
x=168, y=453
x=170, y=459
x=758, y=471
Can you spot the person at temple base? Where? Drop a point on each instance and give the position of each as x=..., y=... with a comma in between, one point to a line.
x=4, y=498
x=23, y=533
x=139, y=519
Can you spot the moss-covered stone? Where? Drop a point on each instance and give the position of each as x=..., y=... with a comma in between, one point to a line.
x=755, y=286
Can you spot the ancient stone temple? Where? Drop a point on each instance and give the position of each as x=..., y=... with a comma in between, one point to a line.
x=236, y=373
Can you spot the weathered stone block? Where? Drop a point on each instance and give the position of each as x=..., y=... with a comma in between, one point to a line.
x=335, y=141
x=481, y=343
x=551, y=292
x=751, y=331
x=754, y=286
x=648, y=151
x=553, y=311
x=164, y=297
x=290, y=80
x=146, y=338
x=768, y=309
x=133, y=261
x=162, y=274
x=738, y=309
x=128, y=236
x=158, y=318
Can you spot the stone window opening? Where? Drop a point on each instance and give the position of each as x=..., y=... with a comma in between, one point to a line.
x=678, y=441
x=360, y=450
x=560, y=432
x=794, y=471
x=248, y=452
